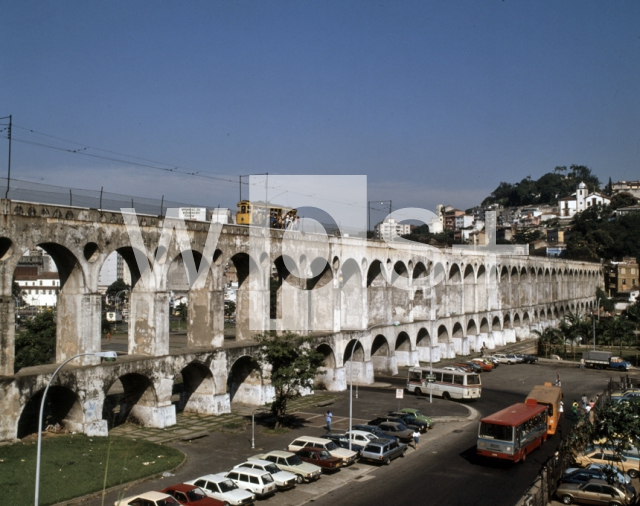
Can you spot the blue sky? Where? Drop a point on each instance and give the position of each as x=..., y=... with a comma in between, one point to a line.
x=435, y=102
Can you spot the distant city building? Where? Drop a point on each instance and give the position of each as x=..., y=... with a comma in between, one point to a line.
x=580, y=201
x=450, y=215
x=463, y=221
x=390, y=229
x=37, y=258
x=39, y=289
x=622, y=276
x=221, y=215
x=632, y=187
x=627, y=210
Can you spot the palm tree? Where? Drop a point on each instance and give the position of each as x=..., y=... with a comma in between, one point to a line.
x=574, y=326
x=548, y=339
x=619, y=330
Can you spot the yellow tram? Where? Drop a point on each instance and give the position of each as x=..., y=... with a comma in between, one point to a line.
x=255, y=213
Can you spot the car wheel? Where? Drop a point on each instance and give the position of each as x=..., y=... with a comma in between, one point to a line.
x=387, y=461
x=446, y=396
x=566, y=499
x=633, y=473
x=418, y=392
x=299, y=479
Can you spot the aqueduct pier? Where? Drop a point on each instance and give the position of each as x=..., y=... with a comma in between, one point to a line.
x=396, y=304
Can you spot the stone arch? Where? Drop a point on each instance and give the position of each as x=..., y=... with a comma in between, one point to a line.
x=351, y=295
x=457, y=332
x=484, y=326
x=516, y=320
x=375, y=275
x=504, y=275
x=130, y=398
x=377, y=294
x=358, y=352
x=403, y=343
x=420, y=275
x=244, y=264
x=506, y=322
x=455, y=277
x=62, y=406
x=423, y=339
x=495, y=324
x=469, y=274
x=400, y=291
x=482, y=274
x=244, y=382
x=443, y=334
x=329, y=357
x=193, y=389
x=472, y=329
x=380, y=347
x=514, y=275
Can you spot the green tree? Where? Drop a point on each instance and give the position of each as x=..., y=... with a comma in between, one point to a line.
x=294, y=364
x=548, y=339
x=36, y=343
x=181, y=309
x=623, y=199
x=229, y=308
x=574, y=326
x=117, y=286
x=618, y=331
x=606, y=304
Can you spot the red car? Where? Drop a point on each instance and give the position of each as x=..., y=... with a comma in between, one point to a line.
x=190, y=494
x=320, y=457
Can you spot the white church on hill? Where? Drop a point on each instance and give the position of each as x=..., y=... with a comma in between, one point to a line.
x=579, y=201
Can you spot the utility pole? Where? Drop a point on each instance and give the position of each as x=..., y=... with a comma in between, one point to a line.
x=6, y=194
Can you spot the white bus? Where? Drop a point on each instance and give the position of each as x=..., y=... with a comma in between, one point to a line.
x=448, y=384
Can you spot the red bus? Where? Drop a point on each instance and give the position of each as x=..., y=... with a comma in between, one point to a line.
x=514, y=432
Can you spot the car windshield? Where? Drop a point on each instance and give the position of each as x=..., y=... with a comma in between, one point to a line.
x=272, y=468
x=294, y=460
x=227, y=486
x=267, y=478
x=401, y=427
x=196, y=494
x=417, y=413
x=331, y=446
x=324, y=455
x=169, y=501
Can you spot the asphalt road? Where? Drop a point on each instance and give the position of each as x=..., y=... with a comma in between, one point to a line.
x=443, y=471
x=449, y=473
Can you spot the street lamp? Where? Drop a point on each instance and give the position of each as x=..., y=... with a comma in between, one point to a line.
x=594, y=324
x=108, y=355
x=353, y=349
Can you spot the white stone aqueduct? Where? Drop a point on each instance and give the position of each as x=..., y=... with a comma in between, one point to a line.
x=444, y=303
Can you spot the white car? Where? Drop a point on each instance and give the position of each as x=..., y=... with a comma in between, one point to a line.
x=360, y=437
x=347, y=456
x=222, y=488
x=148, y=499
x=260, y=482
x=505, y=359
x=453, y=368
x=284, y=479
x=291, y=462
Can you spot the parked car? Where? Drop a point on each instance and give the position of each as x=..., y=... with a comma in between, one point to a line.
x=494, y=360
x=389, y=418
x=288, y=461
x=505, y=359
x=596, y=455
x=486, y=364
x=423, y=418
x=455, y=368
x=629, y=396
x=190, y=494
x=258, y=481
x=342, y=440
x=348, y=456
x=284, y=479
x=408, y=420
x=477, y=368
x=628, y=390
x=361, y=437
x=527, y=359
x=375, y=430
x=222, y=488
x=148, y=499
x=580, y=475
x=321, y=458
x=383, y=451
x=397, y=429
x=595, y=491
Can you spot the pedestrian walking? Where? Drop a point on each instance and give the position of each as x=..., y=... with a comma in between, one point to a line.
x=327, y=417
x=416, y=439
x=558, y=383
x=582, y=363
x=482, y=351
x=574, y=409
x=591, y=404
x=108, y=335
x=584, y=401
x=561, y=408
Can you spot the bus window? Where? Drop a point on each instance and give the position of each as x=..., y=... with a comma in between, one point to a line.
x=438, y=376
x=243, y=209
x=458, y=380
x=473, y=379
x=447, y=378
x=415, y=376
x=499, y=432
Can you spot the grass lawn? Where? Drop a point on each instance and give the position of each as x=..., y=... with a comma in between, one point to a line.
x=74, y=465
